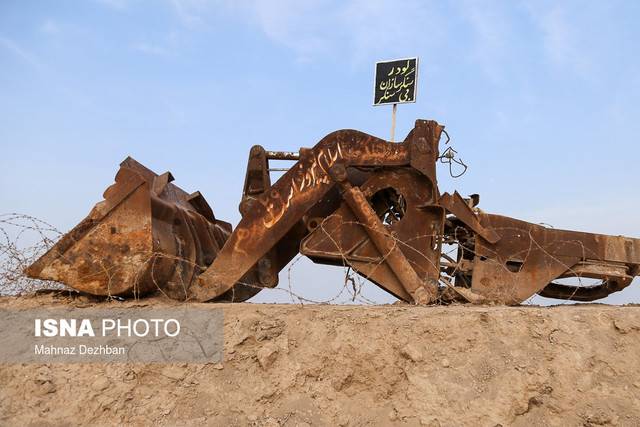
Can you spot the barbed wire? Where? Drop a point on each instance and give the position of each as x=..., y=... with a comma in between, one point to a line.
x=25, y=238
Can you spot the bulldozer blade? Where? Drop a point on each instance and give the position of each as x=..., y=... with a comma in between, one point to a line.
x=146, y=235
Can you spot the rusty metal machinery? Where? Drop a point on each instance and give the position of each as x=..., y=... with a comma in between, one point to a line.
x=352, y=200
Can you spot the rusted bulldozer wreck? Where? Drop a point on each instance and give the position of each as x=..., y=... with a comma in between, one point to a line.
x=352, y=200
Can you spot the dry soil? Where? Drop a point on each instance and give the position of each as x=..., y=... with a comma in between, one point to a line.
x=357, y=365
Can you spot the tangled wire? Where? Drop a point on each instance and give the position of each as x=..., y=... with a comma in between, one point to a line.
x=448, y=157
x=23, y=239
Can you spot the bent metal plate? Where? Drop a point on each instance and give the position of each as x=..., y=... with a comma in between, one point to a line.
x=395, y=81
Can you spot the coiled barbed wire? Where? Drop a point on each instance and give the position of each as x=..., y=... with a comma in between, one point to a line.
x=23, y=238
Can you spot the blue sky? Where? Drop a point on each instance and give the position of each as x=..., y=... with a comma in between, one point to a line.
x=541, y=99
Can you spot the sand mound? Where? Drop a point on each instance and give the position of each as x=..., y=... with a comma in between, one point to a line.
x=347, y=365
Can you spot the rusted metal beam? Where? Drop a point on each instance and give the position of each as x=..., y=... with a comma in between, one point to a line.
x=272, y=214
x=423, y=292
x=461, y=209
x=282, y=155
x=352, y=199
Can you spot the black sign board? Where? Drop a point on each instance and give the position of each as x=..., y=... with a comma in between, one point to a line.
x=395, y=81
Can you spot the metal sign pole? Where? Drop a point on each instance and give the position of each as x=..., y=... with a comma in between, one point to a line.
x=393, y=122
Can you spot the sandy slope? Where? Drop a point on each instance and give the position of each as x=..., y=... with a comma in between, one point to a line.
x=345, y=365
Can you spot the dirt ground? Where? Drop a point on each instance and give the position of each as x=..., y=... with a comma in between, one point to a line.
x=353, y=365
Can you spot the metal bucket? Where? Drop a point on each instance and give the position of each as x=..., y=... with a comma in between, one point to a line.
x=146, y=235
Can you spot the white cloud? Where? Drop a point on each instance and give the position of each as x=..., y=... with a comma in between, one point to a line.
x=491, y=36
x=50, y=27
x=357, y=28
x=168, y=46
x=563, y=35
x=21, y=53
x=377, y=27
x=192, y=13
x=150, y=49
x=304, y=27
x=361, y=29
x=115, y=4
